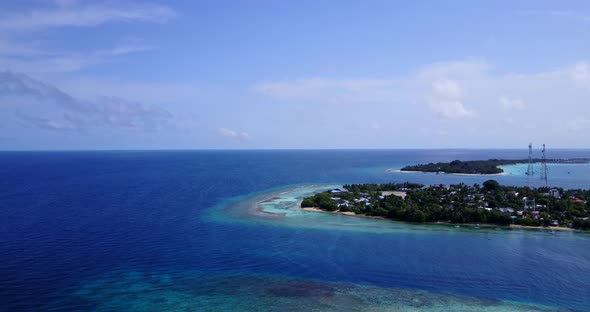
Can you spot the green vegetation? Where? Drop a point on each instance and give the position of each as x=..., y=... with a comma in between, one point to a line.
x=582, y=224
x=470, y=167
x=321, y=200
x=490, y=203
x=358, y=188
x=489, y=166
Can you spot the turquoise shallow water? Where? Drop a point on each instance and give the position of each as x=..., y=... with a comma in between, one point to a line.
x=180, y=231
x=200, y=291
x=565, y=175
x=499, y=246
x=570, y=176
x=280, y=207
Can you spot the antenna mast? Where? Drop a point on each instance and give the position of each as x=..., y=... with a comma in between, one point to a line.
x=528, y=202
x=530, y=172
x=544, y=169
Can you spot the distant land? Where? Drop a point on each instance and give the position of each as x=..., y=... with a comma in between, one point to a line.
x=490, y=166
x=490, y=203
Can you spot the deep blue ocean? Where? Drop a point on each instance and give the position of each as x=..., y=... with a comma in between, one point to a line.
x=126, y=231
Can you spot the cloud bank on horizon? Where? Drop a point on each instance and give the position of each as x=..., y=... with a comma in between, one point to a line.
x=151, y=75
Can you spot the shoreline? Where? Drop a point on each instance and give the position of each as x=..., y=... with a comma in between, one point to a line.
x=446, y=173
x=257, y=209
x=471, y=225
x=345, y=213
x=559, y=228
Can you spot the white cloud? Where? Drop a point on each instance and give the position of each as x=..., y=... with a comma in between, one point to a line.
x=509, y=104
x=455, y=96
x=47, y=123
x=449, y=109
x=40, y=61
x=228, y=133
x=445, y=100
x=74, y=15
x=149, y=92
x=47, y=107
x=24, y=44
x=447, y=88
x=441, y=83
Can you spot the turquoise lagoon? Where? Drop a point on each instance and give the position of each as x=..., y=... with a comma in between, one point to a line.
x=564, y=175
x=570, y=176
x=393, y=244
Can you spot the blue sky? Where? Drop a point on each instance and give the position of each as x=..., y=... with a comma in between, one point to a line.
x=293, y=74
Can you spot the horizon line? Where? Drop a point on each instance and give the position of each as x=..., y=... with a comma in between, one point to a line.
x=276, y=149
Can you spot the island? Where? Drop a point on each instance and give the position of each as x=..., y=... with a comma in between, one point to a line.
x=489, y=203
x=490, y=166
